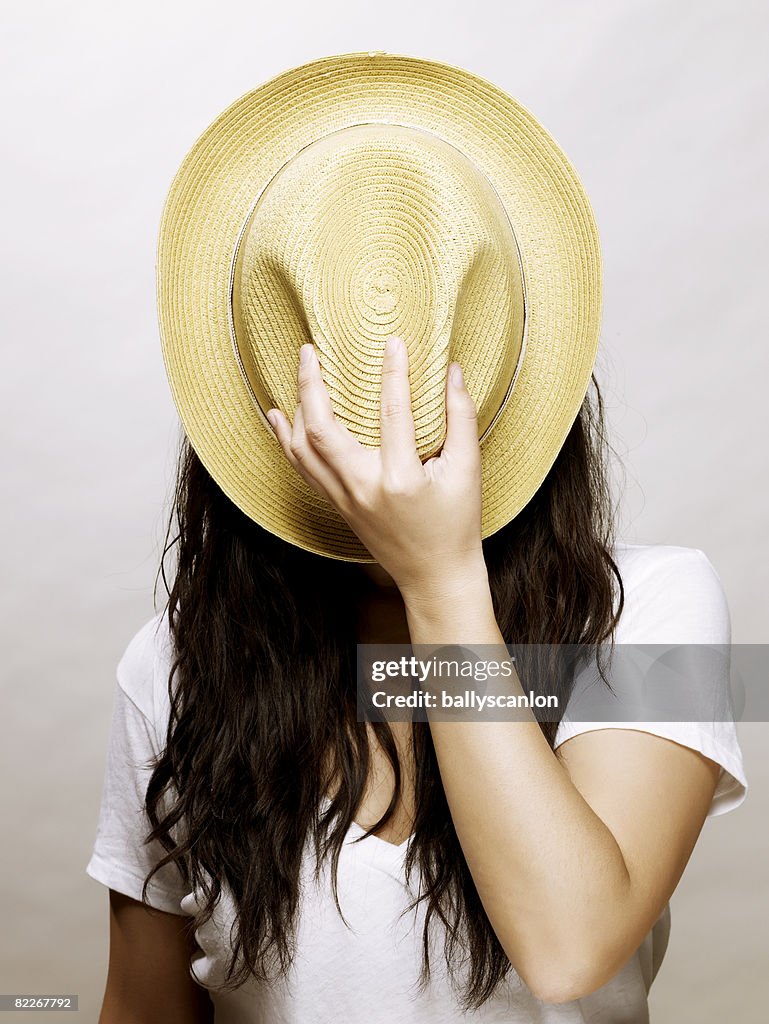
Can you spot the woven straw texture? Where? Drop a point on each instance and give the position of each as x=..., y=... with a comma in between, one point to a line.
x=359, y=196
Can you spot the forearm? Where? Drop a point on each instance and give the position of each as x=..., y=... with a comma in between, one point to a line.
x=549, y=872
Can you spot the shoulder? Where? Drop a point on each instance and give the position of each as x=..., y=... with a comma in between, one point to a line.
x=673, y=594
x=142, y=671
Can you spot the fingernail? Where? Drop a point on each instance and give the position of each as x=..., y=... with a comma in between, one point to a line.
x=305, y=354
x=271, y=418
x=456, y=376
x=394, y=345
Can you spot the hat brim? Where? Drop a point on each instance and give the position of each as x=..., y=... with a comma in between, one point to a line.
x=212, y=195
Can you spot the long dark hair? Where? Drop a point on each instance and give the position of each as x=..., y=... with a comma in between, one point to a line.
x=263, y=707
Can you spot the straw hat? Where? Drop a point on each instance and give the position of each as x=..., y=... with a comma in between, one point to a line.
x=355, y=197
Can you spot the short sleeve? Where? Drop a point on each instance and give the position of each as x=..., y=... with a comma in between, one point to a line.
x=675, y=596
x=119, y=858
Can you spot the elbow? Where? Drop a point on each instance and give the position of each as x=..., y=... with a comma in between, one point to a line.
x=563, y=980
x=559, y=987
x=563, y=961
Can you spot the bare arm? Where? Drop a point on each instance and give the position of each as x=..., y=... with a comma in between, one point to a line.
x=148, y=979
x=574, y=855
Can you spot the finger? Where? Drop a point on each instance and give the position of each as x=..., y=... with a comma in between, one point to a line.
x=398, y=441
x=462, y=421
x=301, y=455
x=325, y=433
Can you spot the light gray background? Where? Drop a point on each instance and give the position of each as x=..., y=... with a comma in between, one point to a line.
x=661, y=106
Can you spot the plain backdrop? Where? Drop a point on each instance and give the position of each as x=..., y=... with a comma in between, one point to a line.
x=662, y=107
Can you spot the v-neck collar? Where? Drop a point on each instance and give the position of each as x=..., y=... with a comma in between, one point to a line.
x=356, y=830
x=395, y=847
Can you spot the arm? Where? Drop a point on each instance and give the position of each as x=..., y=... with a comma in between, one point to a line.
x=149, y=968
x=574, y=855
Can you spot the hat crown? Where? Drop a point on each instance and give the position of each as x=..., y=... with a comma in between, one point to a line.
x=379, y=229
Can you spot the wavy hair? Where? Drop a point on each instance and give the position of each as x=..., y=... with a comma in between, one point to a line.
x=263, y=717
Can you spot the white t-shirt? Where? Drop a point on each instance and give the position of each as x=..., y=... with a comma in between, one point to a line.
x=366, y=971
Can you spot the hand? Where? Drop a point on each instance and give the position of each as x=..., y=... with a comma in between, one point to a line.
x=420, y=522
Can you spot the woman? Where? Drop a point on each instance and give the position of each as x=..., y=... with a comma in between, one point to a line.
x=485, y=871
